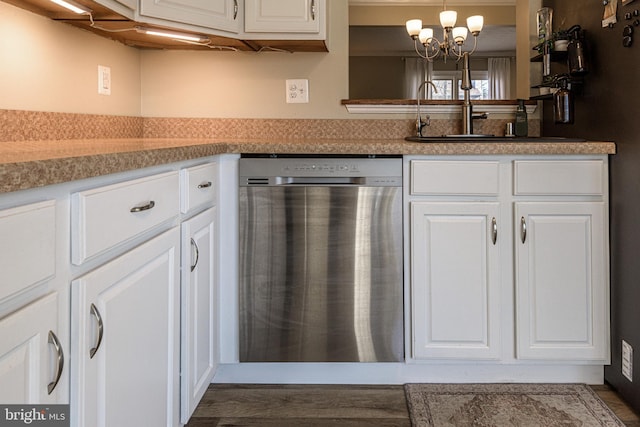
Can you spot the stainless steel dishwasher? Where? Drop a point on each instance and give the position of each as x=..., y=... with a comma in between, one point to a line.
x=321, y=259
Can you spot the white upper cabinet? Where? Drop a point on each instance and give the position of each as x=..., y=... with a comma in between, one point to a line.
x=221, y=15
x=124, y=7
x=283, y=16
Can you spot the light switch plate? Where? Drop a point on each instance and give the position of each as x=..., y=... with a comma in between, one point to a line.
x=104, y=80
x=297, y=91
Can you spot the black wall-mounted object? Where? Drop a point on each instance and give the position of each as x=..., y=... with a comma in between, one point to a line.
x=607, y=110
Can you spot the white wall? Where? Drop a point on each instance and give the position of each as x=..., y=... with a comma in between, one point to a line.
x=248, y=84
x=49, y=66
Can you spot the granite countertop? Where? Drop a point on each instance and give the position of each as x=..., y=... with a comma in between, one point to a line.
x=31, y=164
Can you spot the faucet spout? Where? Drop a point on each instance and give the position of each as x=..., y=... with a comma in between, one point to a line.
x=419, y=123
x=466, y=85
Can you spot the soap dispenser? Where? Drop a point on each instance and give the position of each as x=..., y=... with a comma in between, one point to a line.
x=522, y=125
x=563, y=102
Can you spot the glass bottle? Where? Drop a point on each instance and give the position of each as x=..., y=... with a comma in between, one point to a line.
x=522, y=125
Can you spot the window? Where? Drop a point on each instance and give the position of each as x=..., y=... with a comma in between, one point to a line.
x=446, y=81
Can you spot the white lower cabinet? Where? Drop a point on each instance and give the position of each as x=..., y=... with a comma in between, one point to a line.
x=561, y=276
x=455, y=280
x=31, y=356
x=549, y=265
x=199, y=337
x=125, y=321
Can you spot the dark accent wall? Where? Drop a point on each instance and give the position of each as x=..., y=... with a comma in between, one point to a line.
x=608, y=109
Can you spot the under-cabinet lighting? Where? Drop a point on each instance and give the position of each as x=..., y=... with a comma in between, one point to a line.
x=72, y=6
x=173, y=35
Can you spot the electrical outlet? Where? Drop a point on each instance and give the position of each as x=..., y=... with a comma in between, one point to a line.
x=297, y=91
x=627, y=360
x=104, y=80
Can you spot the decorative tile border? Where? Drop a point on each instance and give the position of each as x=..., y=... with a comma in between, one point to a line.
x=18, y=125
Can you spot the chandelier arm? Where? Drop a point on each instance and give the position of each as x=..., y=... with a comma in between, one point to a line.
x=459, y=53
x=436, y=50
x=426, y=50
x=475, y=45
x=420, y=54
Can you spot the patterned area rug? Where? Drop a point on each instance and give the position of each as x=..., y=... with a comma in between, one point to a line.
x=548, y=405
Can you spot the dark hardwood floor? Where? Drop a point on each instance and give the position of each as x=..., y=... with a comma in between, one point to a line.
x=327, y=405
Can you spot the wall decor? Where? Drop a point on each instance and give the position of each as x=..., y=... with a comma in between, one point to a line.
x=610, y=12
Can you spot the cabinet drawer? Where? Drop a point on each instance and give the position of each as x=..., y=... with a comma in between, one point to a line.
x=437, y=177
x=106, y=216
x=27, y=252
x=558, y=177
x=199, y=184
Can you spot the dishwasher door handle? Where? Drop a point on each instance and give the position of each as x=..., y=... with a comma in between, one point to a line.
x=321, y=180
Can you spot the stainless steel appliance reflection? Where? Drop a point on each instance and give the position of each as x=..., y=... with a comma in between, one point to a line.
x=321, y=260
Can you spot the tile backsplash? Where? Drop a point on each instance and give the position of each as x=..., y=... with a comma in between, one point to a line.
x=18, y=125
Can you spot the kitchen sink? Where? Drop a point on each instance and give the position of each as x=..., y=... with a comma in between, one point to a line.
x=488, y=138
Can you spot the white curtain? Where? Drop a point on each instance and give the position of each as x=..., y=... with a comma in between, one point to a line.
x=416, y=71
x=499, y=78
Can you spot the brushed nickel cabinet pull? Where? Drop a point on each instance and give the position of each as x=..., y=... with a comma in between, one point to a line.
x=53, y=339
x=494, y=230
x=95, y=313
x=235, y=9
x=523, y=230
x=313, y=10
x=146, y=207
x=205, y=184
x=193, y=243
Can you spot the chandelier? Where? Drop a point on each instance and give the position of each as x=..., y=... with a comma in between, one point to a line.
x=453, y=39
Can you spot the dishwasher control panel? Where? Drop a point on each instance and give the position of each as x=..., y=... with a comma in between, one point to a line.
x=322, y=167
x=365, y=171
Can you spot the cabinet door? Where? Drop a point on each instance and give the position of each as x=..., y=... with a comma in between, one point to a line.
x=199, y=355
x=214, y=14
x=125, y=329
x=30, y=362
x=455, y=280
x=283, y=16
x=562, y=281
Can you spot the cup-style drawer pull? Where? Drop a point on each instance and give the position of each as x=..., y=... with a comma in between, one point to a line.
x=53, y=339
x=205, y=184
x=146, y=207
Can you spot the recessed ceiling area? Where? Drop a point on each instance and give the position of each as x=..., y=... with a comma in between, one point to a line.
x=432, y=2
x=494, y=40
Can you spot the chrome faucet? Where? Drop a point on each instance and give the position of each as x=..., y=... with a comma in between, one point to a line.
x=419, y=123
x=467, y=107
